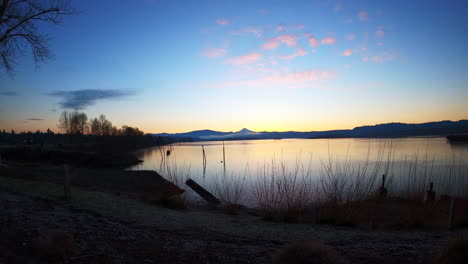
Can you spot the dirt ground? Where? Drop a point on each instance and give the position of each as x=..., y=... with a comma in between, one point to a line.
x=190, y=236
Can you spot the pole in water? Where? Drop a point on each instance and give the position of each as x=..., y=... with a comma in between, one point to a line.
x=204, y=161
x=224, y=159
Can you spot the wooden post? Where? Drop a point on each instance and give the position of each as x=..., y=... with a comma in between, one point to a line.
x=66, y=184
x=453, y=208
x=430, y=193
x=202, y=192
x=383, y=191
x=204, y=161
x=224, y=160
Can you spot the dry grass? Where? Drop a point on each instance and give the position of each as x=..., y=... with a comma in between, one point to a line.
x=231, y=190
x=455, y=252
x=307, y=253
x=283, y=193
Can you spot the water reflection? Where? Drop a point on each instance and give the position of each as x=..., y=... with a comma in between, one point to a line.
x=432, y=156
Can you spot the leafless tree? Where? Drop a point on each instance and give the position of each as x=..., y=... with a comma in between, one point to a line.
x=95, y=127
x=74, y=123
x=100, y=126
x=64, y=123
x=19, y=20
x=106, y=126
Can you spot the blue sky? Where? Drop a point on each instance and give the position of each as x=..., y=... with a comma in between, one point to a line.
x=174, y=66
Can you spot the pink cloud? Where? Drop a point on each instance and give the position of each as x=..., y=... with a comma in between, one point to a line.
x=273, y=43
x=298, y=79
x=363, y=16
x=349, y=20
x=347, y=52
x=380, y=33
x=313, y=42
x=214, y=53
x=365, y=59
x=380, y=44
x=256, y=31
x=249, y=58
x=386, y=56
x=222, y=21
x=280, y=28
x=328, y=41
x=300, y=52
x=351, y=36
x=299, y=26
x=338, y=7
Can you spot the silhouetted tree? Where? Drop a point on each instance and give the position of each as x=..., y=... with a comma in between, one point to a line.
x=106, y=126
x=131, y=131
x=74, y=123
x=100, y=126
x=12, y=132
x=19, y=21
x=64, y=123
x=95, y=127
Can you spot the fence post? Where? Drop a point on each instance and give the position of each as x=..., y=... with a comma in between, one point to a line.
x=430, y=193
x=383, y=191
x=453, y=208
x=66, y=183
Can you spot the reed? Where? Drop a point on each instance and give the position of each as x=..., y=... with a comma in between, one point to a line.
x=282, y=192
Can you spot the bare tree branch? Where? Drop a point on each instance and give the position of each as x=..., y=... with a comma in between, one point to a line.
x=19, y=31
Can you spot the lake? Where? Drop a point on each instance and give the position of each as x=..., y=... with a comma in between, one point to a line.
x=406, y=161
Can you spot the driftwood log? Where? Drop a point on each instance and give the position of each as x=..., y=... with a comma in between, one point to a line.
x=210, y=198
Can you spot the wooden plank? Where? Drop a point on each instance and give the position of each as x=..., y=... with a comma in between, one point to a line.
x=202, y=192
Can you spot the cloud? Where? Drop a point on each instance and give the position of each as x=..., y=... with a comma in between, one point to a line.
x=254, y=30
x=299, y=26
x=349, y=20
x=9, y=93
x=380, y=33
x=363, y=16
x=34, y=119
x=222, y=21
x=296, y=79
x=80, y=99
x=300, y=52
x=313, y=42
x=338, y=7
x=214, y=53
x=351, y=36
x=245, y=59
x=328, y=41
x=280, y=28
x=347, y=52
x=273, y=43
x=386, y=56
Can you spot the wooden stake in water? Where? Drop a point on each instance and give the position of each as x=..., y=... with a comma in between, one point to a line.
x=224, y=159
x=430, y=193
x=204, y=161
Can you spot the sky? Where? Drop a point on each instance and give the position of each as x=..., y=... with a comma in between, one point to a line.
x=177, y=66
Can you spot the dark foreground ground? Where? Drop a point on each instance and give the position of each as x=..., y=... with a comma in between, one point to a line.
x=190, y=236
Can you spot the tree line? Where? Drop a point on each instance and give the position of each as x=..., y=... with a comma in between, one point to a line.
x=77, y=123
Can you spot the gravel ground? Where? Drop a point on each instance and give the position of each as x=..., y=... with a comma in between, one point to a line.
x=190, y=236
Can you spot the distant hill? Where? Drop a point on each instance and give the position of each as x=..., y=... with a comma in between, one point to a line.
x=441, y=128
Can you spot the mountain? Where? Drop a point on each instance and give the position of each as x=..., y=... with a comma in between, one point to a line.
x=441, y=128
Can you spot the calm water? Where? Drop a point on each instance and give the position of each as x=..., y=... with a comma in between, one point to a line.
x=434, y=156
